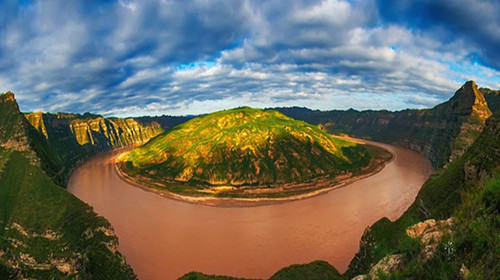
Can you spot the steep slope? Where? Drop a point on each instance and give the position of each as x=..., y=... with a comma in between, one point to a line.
x=492, y=98
x=468, y=191
x=441, y=134
x=245, y=147
x=45, y=232
x=71, y=138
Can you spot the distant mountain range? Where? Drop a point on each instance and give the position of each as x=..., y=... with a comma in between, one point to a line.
x=48, y=233
x=441, y=134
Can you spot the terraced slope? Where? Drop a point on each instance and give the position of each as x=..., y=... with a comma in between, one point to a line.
x=244, y=147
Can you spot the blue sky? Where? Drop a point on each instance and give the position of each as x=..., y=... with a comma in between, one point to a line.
x=152, y=57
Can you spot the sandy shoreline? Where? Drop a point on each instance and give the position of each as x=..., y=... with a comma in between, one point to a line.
x=249, y=202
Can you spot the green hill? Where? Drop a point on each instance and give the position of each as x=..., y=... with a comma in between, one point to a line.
x=244, y=147
x=46, y=232
x=317, y=270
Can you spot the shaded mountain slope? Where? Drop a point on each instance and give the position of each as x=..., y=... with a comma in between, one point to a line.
x=492, y=98
x=441, y=134
x=468, y=191
x=45, y=232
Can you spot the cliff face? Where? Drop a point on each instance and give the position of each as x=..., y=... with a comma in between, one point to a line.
x=14, y=129
x=68, y=139
x=96, y=131
x=441, y=134
x=46, y=232
x=112, y=132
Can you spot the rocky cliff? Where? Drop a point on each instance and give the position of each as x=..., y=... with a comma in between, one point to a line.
x=441, y=134
x=69, y=139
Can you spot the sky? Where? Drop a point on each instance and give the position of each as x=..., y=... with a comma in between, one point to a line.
x=154, y=57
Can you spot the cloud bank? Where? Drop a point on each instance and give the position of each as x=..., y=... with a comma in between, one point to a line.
x=129, y=58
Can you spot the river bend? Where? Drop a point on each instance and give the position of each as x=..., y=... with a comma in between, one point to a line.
x=164, y=238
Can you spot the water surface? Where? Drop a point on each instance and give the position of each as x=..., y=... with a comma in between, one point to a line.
x=164, y=238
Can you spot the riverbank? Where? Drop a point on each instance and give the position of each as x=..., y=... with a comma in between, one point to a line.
x=265, y=196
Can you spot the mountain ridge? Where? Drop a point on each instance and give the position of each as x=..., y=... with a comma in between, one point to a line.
x=69, y=139
x=440, y=134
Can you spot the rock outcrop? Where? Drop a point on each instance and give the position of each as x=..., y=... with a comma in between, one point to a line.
x=65, y=140
x=429, y=232
x=456, y=191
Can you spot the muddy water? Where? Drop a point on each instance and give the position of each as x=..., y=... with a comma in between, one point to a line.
x=164, y=238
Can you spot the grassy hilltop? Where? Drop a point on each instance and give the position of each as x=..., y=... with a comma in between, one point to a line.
x=245, y=147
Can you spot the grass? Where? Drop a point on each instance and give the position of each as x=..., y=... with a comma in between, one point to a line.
x=459, y=191
x=29, y=198
x=317, y=270
x=244, y=147
x=41, y=224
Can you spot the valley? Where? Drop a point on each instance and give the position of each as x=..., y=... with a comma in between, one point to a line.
x=39, y=152
x=164, y=238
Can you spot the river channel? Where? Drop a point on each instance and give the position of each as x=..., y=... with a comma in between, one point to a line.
x=164, y=238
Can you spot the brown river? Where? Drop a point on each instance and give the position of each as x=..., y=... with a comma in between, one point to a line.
x=164, y=238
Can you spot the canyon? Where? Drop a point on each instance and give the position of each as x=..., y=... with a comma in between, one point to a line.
x=39, y=151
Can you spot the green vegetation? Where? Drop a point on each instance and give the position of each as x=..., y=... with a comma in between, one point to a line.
x=459, y=191
x=201, y=276
x=243, y=147
x=46, y=232
x=319, y=270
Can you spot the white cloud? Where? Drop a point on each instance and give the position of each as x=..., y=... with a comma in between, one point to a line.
x=127, y=56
